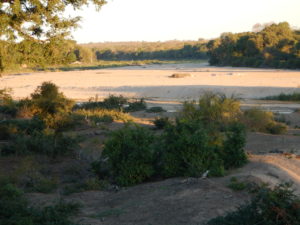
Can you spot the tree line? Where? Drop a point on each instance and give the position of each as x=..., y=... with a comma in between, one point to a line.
x=150, y=50
x=275, y=45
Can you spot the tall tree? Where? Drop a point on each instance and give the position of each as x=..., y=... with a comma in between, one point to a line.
x=39, y=18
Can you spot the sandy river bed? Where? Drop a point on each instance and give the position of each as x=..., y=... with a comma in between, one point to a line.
x=153, y=82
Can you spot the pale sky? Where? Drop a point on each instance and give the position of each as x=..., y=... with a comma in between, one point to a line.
x=161, y=20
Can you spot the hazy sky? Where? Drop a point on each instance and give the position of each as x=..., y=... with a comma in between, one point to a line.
x=160, y=20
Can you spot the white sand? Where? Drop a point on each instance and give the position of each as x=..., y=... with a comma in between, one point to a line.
x=154, y=82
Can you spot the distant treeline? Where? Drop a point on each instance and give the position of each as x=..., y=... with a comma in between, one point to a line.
x=272, y=45
x=40, y=54
x=275, y=45
x=149, y=50
x=33, y=53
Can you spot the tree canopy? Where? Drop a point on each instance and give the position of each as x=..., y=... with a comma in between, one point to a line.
x=37, y=19
x=276, y=45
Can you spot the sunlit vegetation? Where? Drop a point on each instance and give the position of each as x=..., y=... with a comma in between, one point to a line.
x=170, y=50
x=278, y=206
x=275, y=45
x=284, y=97
x=194, y=144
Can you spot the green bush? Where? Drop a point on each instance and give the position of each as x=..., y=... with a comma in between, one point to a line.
x=40, y=143
x=15, y=210
x=136, y=106
x=155, y=109
x=49, y=101
x=114, y=102
x=161, y=123
x=256, y=119
x=186, y=149
x=276, y=128
x=212, y=109
x=278, y=206
x=233, y=153
x=103, y=115
x=7, y=105
x=130, y=155
x=9, y=128
x=111, y=102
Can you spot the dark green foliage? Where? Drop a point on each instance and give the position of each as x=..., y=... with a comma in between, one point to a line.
x=111, y=102
x=233, y=153
x=15, y=210
x=20, y=126
x=284, y=97
x=212, y=109
x=40, y=143
x=276, y=128
x=187, y=150
x=7, y=105
x=130, y=155
x=136, y=106
x=170, y=50
x=256, y=119
x=161, y=123
x=276, y=45
x=49, y=101
x=155, y=109
x=278, y=206
x=114, y=102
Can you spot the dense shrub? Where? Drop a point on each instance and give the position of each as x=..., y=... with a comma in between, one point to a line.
x=155, y=109
x=233, y=153
x=40, y=143
x=103, y=115
x=136, y=106
x=186, y=149
x=113, y=102
x=161, y=123
x=130, y=155
x=256, y=119
x=212, y=109
x=49, y=101
x=15, y=210
x=7, y=105
x=278, y=206
x=9, y=128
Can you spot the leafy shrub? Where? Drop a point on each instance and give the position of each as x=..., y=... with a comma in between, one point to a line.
x=7, y=105
x=8, y=128
x=233, y=153
x=212, y=109
x=161, y=123
x=103, y=115
x=114, y=102
x=276, y=128
x=278, y=206
x=40, y=143
x=155, y=109
x=186, y=150
x=258, y=120
x=15, y=210
x=130, y=155
x=136, y=106
x=48, y=100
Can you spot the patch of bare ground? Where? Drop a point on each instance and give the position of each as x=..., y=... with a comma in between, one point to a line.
x=173, y=201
